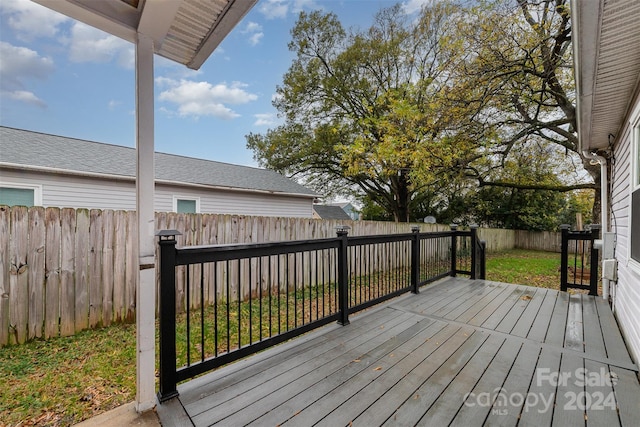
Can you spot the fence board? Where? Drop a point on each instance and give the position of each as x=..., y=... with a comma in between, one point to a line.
x=82, y=269
x=4, y=275
x=131, y=266
x=107, y=267
x=95, y=267
x=18, y=282
x=36, y=269
x=52, y=272
x=67, y=272
x=119, y=261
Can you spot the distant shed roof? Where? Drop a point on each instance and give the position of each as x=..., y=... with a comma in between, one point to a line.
x=39, y=150
x=331, y=212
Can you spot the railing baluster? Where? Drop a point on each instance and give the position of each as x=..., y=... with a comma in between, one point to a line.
x=215, y=308
x=188, y=311
x=202, y=304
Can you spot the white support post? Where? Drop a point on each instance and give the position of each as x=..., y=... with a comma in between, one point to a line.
x=145, y=291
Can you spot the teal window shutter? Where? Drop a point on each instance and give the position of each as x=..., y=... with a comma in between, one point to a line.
x=16, y=196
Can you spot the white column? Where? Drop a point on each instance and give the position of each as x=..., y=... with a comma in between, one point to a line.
x=145, y=292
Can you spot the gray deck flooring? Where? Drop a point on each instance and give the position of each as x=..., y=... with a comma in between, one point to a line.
x=462, y=352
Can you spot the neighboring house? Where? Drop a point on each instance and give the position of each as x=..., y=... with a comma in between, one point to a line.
x=350, y=210
x=48, y=170
x=606, y=37
x=329, y=212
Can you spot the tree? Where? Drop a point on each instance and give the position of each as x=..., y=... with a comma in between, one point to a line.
x=519, y=73
x=369, y=111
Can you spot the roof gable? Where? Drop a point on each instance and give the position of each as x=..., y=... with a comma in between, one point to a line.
x=331, y=212
x=39, y=150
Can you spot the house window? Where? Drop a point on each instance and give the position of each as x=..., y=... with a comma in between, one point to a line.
x=635, y=191
x=186, y=204
x=20, y=195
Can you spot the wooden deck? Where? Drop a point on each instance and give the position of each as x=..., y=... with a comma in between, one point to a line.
x=462, y=352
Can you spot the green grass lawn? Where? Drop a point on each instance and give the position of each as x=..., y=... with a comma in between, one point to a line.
x=533, y=268
x=66, y=380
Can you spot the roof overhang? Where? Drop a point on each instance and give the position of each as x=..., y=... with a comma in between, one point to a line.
x=184, y=31
x=606, y=47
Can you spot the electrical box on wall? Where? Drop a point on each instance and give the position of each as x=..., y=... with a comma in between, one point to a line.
x=608, y=245
x=610, y=269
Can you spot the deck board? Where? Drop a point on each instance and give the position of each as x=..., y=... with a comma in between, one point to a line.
x=414, y=361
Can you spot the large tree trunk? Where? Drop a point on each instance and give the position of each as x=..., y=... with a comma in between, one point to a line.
x=402, y=197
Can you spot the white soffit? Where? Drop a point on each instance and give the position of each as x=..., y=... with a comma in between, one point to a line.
x=185, y=31
x=607, y=59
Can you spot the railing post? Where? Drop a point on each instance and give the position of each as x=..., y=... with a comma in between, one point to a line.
x=564, y=256
x=483, y=260
x=343, y=274
x=593, y=278
x=415, y=259
x=454, y=244
x=167, y=263
x=474, y=249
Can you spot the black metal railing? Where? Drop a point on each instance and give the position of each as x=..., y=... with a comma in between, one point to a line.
x=221, y=303
x=579, y=259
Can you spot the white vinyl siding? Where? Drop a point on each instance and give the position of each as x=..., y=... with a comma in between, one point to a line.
x=627, y=296
x=235, y=202
x=68, y=191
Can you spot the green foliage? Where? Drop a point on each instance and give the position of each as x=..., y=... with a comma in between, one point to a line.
x=369, y=110
x=413, y=114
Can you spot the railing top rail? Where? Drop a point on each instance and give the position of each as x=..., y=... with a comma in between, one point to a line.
x=437, y=234
x=383, y=238
x=211, y=253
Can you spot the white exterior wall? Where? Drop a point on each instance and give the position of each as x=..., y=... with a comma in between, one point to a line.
x=627, y=294
x=67, y=191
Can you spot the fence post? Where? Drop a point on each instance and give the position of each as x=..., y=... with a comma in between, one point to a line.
x=343, y=274
x=454, y=244
x=564, y=256
x=593, y=278
x=415, y=259
x=474, y=249
x=483, y=260
x=167, y=264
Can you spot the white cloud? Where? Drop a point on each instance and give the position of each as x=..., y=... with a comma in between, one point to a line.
x=255, y=38
x=195, y=99
x=113, y=104
x=27, y=97
x=30, y=20
x=265, y=119
x=413, y=6
x=88, y=44
x=252, y=27
x=24, y=64
x=255, y=32
x=273, y=9
x=20, y=63
x=278, y=9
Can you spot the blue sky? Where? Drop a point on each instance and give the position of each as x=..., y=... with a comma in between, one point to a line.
x=62, y=77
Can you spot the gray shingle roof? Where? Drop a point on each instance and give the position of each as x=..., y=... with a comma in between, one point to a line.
x=35, y=149
x=330, y=212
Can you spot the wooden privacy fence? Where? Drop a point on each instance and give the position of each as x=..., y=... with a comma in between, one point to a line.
x=65, y=270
